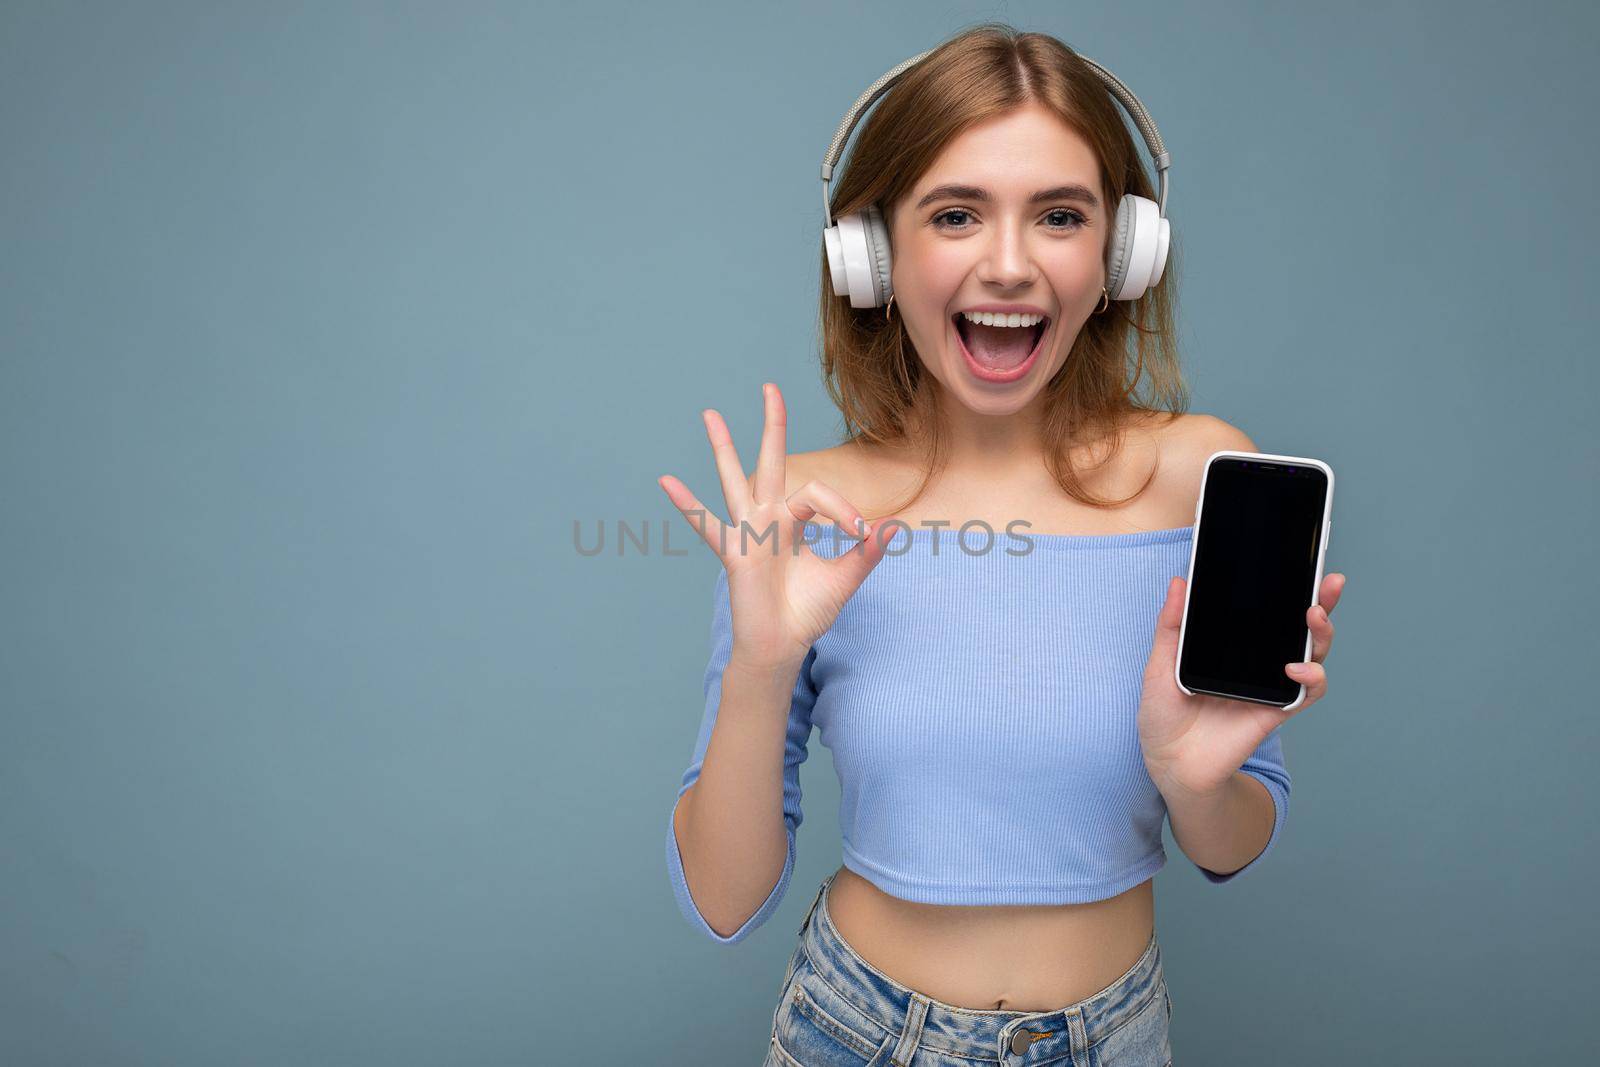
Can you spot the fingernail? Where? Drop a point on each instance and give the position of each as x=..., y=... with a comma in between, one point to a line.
x=1297, y=668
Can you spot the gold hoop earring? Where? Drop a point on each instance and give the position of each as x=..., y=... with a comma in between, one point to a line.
x=888, y=309
x=903, y=372
x=1105, y=300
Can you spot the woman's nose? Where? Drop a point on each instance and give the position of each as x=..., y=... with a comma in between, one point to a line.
x=1005, y=261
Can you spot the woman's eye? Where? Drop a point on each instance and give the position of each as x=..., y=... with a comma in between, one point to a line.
x=1076, y=219
x=1073, y=219
x=945, y=215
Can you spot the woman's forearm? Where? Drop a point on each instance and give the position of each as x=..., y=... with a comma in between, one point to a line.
x=1226, y=830
x=729, y=824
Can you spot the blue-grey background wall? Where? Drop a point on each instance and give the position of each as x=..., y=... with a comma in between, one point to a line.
x=322, y=323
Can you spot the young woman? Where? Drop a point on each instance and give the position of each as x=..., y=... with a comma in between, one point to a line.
x=985, y=633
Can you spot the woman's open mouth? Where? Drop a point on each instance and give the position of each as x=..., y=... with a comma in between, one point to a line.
x=999, y=353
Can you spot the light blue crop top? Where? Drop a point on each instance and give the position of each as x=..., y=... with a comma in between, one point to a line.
x=981, y=707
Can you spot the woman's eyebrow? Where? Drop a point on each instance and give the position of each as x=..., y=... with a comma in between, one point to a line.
x=972, y=192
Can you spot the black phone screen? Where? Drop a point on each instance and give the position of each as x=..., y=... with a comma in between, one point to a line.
x=1255, y=559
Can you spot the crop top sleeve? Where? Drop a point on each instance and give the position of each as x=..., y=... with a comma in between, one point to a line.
x=1266, y=766
x=794, y=754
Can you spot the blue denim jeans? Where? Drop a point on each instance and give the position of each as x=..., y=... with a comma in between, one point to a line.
x=837, y=1010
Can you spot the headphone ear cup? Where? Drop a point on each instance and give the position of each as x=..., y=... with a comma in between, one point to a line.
x=858, y=257
x=1138, y=253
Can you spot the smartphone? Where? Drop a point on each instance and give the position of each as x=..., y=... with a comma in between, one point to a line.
x=1260, y=536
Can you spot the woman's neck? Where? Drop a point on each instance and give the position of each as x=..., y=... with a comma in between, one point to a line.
x=993, y=445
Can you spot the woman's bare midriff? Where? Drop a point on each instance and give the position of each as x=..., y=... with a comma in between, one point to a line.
x=1013, y=957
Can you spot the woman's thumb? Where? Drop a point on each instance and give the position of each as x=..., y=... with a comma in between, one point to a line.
x=1170, y=620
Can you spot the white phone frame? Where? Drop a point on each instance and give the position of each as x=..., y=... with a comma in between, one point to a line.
x=1194, y=547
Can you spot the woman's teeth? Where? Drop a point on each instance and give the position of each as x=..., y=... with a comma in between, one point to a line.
x=991, y=318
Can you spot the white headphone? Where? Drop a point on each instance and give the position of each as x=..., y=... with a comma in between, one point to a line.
x=858, y=247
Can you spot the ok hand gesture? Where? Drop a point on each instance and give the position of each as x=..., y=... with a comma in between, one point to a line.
x=783, y=598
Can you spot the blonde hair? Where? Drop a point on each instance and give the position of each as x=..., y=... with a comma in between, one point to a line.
x=887, y=398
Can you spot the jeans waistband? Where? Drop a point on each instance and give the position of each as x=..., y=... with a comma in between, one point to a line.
x=990, y=1034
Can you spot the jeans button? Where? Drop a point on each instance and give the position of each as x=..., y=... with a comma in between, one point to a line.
x=1020, y=1041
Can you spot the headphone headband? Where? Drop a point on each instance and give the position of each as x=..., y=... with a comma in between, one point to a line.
x=1130, y=103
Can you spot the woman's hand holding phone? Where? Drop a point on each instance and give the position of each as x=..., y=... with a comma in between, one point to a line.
x=1193, y=744
x=784, y=596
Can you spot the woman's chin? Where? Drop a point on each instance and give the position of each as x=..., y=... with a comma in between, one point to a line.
x=982, y=398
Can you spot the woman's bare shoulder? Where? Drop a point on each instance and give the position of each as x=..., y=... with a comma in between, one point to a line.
x=1161, y=426
x=1193, y=436
x=859, y=472
x=822, y=465
x=802, y=467
x=1183, y=445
